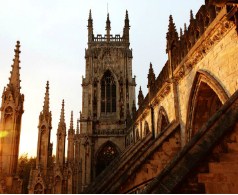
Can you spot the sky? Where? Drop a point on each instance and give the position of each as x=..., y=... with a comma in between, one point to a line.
x=53, y=36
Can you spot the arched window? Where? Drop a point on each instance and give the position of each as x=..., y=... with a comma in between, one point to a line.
x=38, y=189
x=108, y=93
x=106, y=154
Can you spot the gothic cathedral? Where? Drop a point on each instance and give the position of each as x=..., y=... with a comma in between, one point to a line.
x=183, y=138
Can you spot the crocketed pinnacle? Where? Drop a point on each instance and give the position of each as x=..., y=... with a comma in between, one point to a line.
x=46, y=107
x=62, y=119
x=126, y=18
x=140, y=97
x=14, y=80
x=71, y=121
x=77, y=130
x=90, y=15
x=127, y=25
x=172, y=35
x=151, y=76
x=108, y=27
x=191, y=15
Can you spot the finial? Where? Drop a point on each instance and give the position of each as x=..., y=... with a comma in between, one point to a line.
x=71, y=121
x=108, y=27
x=14, y=79
x=127, y=18
x=90, y=15
x=46, y=99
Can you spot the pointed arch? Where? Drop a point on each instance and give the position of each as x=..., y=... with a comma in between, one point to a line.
x=162, y=121
x=105, y=155
x=206, y=97
x=146, y=128
x=108, y=93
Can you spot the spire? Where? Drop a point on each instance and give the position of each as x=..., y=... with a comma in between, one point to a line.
x=71, y=121
x=140, y=97
x=90, y=27
x=108, y=27
x=126, y=27
x=14, y=79
x=172, y=35
x=46, y=106
x=151, y=77
x=61, y=133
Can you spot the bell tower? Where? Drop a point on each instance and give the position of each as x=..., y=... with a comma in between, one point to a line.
x=107, y=100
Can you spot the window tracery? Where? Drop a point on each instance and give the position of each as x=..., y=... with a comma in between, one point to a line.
x=108, y=93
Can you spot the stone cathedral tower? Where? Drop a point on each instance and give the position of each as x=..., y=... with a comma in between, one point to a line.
x=108, y=99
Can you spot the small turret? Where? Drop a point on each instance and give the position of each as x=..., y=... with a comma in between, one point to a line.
x=108, y=27
x=140, y=97
x=151, y=77
x=90, y=27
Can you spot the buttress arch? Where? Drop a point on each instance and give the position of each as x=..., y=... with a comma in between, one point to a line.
x=206, y=97
x=163, y=120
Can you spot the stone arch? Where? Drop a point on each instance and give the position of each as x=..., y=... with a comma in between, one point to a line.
x=105, y=155
x=146, y=128
x=162, y=121
x=108, y=92
x=38, y=189
x=206, y=97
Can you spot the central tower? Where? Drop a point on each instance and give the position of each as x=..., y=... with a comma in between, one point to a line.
x=108, y=99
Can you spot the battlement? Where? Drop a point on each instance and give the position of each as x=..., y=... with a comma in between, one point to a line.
x=100, y=38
